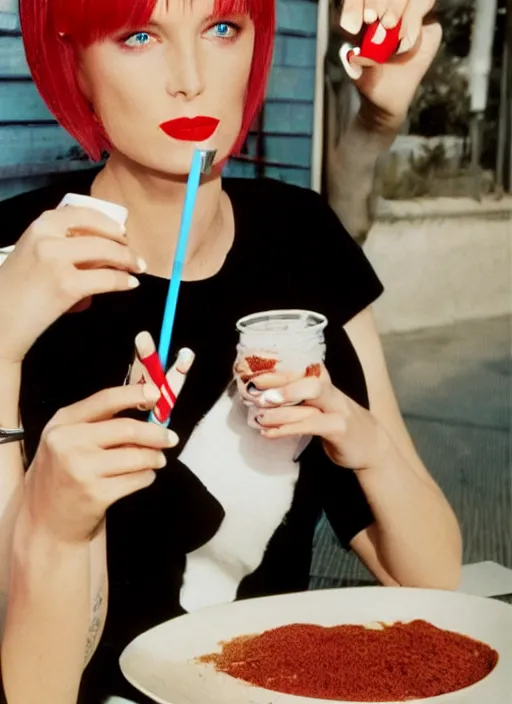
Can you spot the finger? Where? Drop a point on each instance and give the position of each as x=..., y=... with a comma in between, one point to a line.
x=126, y=431
x=285, y=415
x=130, y=460
x=276, y=380
x=329, y=426
x=363, y=61
x=106, y=404
x=393, y=14
x=351, y=19
x=312, y=391
x=71, y=221
x=307, y=389
x=90, y=282
x=97, y=252
x=374, y=10
x=177, y=374
x=169, y=386
x=124, y=485
x=412, y=23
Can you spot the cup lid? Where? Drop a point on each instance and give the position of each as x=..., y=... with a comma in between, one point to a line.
x=282, y=321
x=117, y=212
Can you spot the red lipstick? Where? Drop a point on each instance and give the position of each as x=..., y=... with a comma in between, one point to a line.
x=190, y=129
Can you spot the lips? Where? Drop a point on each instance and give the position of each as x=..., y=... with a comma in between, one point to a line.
x=187, y=129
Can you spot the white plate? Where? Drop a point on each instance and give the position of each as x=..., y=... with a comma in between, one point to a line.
x=160, y=662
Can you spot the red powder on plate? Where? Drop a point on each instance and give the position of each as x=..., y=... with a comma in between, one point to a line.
x=401, y=662
x=313, y=370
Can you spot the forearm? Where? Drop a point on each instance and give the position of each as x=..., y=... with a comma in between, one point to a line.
x=351, y=171
x=11, y=474
x=48, y=619
x=418, y=535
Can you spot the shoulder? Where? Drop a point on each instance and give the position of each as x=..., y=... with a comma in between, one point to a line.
x=309, y=243
x=288, y=214
x=17, y=213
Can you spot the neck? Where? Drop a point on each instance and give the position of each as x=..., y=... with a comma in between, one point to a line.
x=155, y=204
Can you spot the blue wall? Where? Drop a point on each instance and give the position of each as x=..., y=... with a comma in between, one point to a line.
x=288, y=113
x=33, y=148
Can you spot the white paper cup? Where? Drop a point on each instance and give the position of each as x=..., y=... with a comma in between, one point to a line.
x=116, y=212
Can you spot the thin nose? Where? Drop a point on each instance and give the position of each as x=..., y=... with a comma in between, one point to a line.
x=185, y=75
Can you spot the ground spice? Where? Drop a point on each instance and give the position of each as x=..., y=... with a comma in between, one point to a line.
x=260, y=364
x=313, y=370
x=401, y=662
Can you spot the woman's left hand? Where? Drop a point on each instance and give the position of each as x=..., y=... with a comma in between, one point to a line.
x=387, y=90
x=352, y=437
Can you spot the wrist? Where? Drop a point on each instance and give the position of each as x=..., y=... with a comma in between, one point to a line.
x=37, y=545
x=384, y=453
x=381, y=130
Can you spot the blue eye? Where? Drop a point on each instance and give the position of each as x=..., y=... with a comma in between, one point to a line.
x=137, y=40
x=223, y=30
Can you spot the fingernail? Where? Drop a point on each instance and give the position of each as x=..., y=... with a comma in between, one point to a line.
x=370, y=16
x=405, y=45
x=185, y=356
x=272, y=396
x=253, y=390
x=380, y=35
x=389, y=20
x=141, y=265
x=151, y=393
x=163, y=462
x=347, y=51
x=133, y=282
x=350, y=23
x=172, y=438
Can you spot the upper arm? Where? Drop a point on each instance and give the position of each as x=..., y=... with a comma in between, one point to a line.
x=366, y=546
x=384, y=406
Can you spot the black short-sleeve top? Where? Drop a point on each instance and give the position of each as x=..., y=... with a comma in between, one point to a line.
x=208, y=530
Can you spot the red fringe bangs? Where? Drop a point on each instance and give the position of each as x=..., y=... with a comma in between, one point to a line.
x=87, y=21
x=53, y=60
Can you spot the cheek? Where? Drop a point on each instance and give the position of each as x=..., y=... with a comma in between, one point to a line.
x=232, y=93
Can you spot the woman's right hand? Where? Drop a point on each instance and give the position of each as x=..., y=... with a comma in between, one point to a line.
x=65, y=256
x=88, y=459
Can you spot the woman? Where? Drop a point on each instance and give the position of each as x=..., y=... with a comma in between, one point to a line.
x=117, y=76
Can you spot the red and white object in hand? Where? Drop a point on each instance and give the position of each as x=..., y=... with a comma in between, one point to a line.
x=378, y=45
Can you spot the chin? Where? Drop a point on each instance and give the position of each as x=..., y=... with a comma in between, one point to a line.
x=177, y=161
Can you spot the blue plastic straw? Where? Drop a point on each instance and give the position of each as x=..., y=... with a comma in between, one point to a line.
x=179, y=260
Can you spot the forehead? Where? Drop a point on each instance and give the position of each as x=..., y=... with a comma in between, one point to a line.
x=90, y=20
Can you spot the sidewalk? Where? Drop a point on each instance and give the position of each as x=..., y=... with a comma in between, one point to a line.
x=454, y=385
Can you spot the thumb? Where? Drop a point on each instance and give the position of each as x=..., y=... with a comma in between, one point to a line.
x=428, y=45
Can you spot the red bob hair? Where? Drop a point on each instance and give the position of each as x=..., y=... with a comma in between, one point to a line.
x=53, y=61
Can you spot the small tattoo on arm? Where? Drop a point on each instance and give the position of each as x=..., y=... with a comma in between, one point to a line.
x=96, y=624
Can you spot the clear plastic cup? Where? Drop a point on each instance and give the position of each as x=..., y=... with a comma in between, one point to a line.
x=277, y=340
